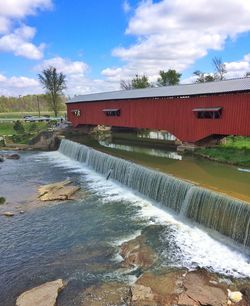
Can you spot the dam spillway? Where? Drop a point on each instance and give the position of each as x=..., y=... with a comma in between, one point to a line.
x=218, y=212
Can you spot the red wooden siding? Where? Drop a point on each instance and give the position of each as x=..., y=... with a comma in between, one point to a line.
x=174, y=115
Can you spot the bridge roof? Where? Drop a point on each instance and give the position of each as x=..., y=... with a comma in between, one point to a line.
x=217, y=87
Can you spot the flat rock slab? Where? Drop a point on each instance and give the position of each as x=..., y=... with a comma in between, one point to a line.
x=107, y=294
x=201, y=292
x=44, y=295
x=57, y=191
x=8, y=214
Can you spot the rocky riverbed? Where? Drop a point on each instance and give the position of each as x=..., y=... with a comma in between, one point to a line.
x=162, y=288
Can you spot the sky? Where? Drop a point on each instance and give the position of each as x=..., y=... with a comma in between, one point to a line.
x=98, y=43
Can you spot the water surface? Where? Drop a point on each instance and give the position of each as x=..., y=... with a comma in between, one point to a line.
x=78, y=240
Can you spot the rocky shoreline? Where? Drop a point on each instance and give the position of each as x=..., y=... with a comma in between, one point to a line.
x=167, y=287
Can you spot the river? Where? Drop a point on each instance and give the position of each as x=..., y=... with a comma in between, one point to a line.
x=78, y=240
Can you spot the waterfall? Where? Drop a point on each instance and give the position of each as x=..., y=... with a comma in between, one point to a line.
x=223, y=214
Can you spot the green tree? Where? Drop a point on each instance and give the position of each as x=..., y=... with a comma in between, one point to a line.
x=170, y=77
x=140, y=82
x=54, y=83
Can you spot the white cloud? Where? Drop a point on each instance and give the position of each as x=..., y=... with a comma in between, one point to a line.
x=15, y=86
x=76, y=79
x=174, y=34
x=12, y=10
x=19, y=40
x=19, y=43
x=238, y=69
x=64, y=65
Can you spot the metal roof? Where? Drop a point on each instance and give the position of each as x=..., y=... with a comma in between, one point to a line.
x=233, y=85
x=207, y=109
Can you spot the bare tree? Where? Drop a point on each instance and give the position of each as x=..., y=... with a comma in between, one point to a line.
x=125, y=85
x=200, y=75
x=220, y=68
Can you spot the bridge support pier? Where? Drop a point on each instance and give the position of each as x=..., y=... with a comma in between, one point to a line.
x=186, y=147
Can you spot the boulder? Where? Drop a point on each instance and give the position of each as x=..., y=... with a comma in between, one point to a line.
x=137, y=253
x=57, y=191
x=234, y=296
x=8, y=214
x=44, y=295
x=2, y=158
x=12, y=156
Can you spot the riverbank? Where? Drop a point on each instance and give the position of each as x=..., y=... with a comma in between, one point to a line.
x=235, y=151
x=20, y=135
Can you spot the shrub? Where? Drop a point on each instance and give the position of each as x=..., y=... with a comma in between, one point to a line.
x=18, y=127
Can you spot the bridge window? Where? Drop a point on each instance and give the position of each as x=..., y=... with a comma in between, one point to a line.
x=208, y=113
x=112, y=112
x=76, y=112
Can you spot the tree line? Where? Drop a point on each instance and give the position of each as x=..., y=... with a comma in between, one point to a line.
x=29, y=103
x=166, y=78
x=172, y=77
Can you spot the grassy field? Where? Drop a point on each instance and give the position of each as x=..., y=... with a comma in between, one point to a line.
x=23, y=134
x=19, y=115
x=236, y=151
x=6, y=129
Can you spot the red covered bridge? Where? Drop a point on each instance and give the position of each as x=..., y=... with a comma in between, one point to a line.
x=190, y=112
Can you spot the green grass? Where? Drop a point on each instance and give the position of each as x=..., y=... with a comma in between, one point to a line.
x=6, y=128
x=31, y=129
x=237, y=142
x=235, y=151
x=19, y=115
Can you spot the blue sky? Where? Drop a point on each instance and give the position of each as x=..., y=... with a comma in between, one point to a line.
x=98, y=43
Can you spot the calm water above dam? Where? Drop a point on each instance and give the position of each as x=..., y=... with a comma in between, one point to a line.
x=219, y=177
x=78, y=240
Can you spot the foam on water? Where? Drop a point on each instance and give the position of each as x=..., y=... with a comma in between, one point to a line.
x=194, y=247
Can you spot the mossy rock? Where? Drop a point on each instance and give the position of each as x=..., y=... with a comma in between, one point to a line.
x=2, y=200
